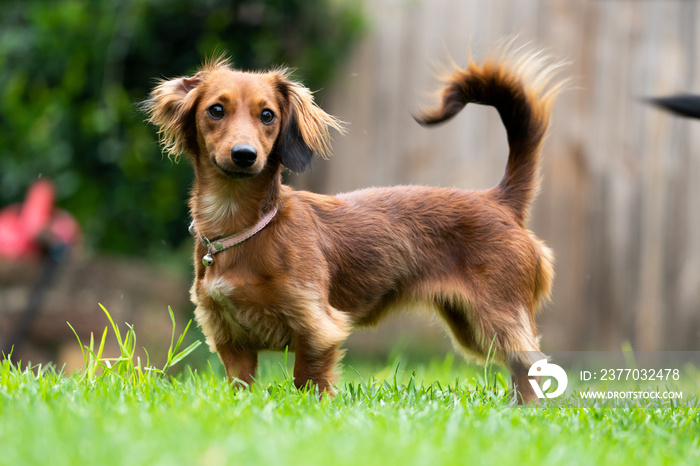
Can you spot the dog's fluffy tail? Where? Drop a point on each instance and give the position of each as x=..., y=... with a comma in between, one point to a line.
x=520, y=86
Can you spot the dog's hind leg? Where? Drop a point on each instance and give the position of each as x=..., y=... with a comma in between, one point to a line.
x=506, y=336
x=521, y=346
x=519, y=375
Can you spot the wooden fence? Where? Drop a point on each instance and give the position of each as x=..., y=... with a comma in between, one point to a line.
x=620, y=203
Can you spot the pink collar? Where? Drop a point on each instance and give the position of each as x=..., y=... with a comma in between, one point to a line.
x=230, y=241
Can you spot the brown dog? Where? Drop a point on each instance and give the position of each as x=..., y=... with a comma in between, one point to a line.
x=288, y=268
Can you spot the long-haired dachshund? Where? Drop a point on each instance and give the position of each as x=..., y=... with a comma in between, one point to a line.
x=277, y=268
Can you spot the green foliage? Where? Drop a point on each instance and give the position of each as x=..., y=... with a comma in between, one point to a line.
x=196, y=418
x=127, y=365
x=117, y=411
x=72, y=70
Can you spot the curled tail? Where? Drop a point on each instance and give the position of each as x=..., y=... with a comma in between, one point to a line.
x=520, y=88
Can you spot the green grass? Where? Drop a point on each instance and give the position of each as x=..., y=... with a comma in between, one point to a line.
x=120, y=411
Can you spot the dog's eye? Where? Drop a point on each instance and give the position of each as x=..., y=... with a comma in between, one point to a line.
x=216, y=111
x=267, y=116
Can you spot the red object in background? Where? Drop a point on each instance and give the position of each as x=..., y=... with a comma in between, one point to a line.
x=26, y=229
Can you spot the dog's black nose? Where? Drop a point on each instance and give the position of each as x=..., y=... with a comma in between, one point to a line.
x=244, y=155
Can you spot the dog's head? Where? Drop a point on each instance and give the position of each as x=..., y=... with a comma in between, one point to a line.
x=236, y=123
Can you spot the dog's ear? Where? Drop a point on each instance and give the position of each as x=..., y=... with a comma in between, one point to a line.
x=169, y=108
x=305, y=127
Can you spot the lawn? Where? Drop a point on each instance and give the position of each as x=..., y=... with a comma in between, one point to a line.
x=444, y=412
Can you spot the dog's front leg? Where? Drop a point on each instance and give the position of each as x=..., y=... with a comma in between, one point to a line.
x=240, y=364
x=315, y=366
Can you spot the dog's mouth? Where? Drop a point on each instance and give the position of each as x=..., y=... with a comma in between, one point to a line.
x=236, y=174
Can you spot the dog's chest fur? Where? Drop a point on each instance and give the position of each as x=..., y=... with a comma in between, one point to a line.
x=228, y=312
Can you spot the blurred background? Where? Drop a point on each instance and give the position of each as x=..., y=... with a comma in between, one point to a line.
x=619, y=201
